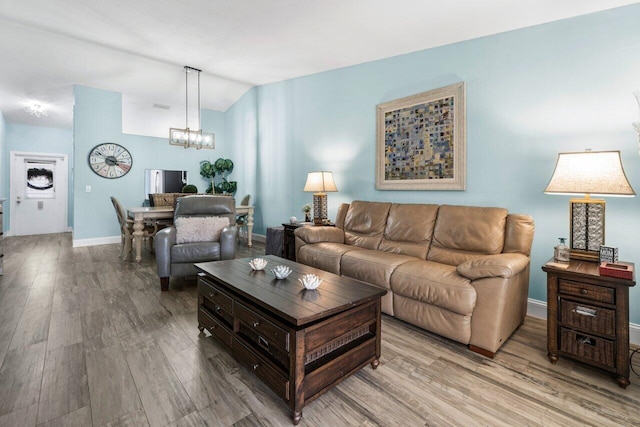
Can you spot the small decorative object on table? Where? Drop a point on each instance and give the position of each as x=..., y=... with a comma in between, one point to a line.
x=621, y=270
x=306, y=209
x=258, y=263
x=293, y=220
x=561, y=251
x=608, y=254
x=281, y=271
x=310, y=281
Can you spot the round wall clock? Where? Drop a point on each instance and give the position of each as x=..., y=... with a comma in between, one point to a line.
x=110, y=160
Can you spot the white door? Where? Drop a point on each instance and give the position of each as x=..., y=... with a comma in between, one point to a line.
x=39, y=193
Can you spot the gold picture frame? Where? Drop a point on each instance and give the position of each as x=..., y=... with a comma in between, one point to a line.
x=421, y=141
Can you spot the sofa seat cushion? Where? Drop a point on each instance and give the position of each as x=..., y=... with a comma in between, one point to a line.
x=436, y=284
x=325, y=256
x=195, y=252
x=374, y=267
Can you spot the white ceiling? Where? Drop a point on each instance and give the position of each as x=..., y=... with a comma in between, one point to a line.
x=139, y=47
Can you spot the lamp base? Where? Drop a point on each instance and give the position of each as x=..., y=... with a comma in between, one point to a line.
x=587, y=228
x=585, y=255
x=319, y=208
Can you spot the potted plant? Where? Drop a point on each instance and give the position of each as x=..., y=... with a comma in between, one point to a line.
x=306, y=209
x=222, y=168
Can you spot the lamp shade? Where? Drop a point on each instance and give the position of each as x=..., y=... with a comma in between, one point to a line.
x=320, y=182
x=590, y=172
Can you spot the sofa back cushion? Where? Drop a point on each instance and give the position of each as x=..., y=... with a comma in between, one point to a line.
x=519, y=234
x=409, y=229
x=465, y=232
x=364, y=223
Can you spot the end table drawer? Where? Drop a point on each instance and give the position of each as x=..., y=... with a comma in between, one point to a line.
x=596, y=350
x=215, y=327
x=594, y=319
x=585, y=290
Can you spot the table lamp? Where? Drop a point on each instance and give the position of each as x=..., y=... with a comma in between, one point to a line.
x=320, y=183
x=588, y=173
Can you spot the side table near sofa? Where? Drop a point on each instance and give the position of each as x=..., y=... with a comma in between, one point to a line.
x=588, y=317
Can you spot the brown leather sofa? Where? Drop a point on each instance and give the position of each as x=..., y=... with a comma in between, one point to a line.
x=459, y=271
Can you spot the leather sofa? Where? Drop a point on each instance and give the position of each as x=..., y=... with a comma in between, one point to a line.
x=458, y=271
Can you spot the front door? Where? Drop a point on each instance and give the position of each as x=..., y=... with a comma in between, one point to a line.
x=39, y=193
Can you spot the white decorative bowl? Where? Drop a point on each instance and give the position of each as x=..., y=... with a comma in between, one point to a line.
x=281, y=271
x=258, y=263
x=310, y=281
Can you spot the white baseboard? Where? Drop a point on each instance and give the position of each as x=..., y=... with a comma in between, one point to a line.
x=537, y=308
x=259, y=237
x=78, y=243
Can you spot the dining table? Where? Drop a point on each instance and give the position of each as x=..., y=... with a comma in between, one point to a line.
x=142, y=214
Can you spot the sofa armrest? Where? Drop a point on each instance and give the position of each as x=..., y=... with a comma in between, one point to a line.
x=163, y=241
x=500, y=265
x=320, y=234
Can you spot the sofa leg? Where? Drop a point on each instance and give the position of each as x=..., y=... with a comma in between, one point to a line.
x=482, y=351
x=164, y=284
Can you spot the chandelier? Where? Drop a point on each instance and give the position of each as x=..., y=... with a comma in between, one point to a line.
x=189, y=137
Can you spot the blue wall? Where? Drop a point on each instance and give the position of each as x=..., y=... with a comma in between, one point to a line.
x=530, y=94
x=98, y=119
x=35, y=139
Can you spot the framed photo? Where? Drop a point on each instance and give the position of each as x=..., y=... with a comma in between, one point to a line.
x=421, y=141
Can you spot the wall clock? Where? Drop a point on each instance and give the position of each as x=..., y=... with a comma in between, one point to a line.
x=110, y=160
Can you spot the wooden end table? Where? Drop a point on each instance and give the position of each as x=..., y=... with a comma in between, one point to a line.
x=588, y=316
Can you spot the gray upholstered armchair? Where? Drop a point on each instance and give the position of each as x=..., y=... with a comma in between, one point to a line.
x=179, y=246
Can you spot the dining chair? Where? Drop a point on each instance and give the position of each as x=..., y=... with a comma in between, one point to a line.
x=126, y=230
x=241, y=220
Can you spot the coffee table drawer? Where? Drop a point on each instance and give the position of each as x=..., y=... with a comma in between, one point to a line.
x=276, y=382
x=216, y=328
x=216, y=295
x=272, y=333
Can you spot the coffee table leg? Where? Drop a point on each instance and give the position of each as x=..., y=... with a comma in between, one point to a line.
x=375, y=363
x=296, y=417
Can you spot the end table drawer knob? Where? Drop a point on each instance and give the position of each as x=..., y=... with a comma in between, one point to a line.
x=583, y=291
x=585, y=311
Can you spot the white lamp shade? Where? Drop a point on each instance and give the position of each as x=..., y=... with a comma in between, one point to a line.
x=590, y=172
x=320, y=182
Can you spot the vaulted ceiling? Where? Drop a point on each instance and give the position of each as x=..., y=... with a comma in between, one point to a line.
x=139, y=47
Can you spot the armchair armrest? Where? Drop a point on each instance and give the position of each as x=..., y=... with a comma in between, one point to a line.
x=228, y=242
x=320, y=234
x=500, y=265
x=163, y=241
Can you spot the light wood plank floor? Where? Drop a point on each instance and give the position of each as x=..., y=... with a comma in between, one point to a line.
x=86, y=339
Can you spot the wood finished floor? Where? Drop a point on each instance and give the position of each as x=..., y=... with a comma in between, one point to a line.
x=86, y=339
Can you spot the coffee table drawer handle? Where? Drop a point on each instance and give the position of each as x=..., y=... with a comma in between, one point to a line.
x=255, y=323
x=263, y=343
x=212, y=294
x=218, y=309
x=255, y=366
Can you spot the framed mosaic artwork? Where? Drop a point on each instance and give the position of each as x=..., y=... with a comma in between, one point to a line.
x=421, y=141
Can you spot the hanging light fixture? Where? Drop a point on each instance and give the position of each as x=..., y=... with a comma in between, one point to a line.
x=189, y=137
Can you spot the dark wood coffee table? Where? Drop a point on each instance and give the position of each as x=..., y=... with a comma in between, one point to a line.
x=300, y=343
